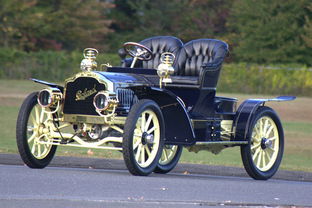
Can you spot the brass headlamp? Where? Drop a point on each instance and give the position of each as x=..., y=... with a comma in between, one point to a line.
x=165, y=69
x=105, y=103
x=49, y=97
x=89, y=63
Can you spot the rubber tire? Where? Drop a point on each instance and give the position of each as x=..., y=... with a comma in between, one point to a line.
x=21, y=135
x=246, y=155
x=127, y=144
x=163, y=169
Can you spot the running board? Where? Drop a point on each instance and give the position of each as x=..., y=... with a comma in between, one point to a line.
x=222, y=142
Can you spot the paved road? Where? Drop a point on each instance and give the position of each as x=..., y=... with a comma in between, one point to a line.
x=21, y=186
x=113, y=164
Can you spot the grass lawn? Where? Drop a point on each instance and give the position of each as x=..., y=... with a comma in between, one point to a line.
x=296, y=117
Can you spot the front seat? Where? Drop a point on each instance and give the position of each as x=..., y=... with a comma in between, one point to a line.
x=199, y=62
x=158, y=45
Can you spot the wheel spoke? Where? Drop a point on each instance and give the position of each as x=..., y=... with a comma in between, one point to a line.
x=137, y=156
x=151, y=130
x=33, y=149
x=272, y=138
x=41, y=115
x=142, y=154
x=37, y=113
x=137, y=135
x=261, y=127
x=255, y=146
x=266, y=125
x=257, y=132
x=263, y=159
x=271, y=149
x=143, y=122
x=148, y=122
x=148, y=151
x=257, y=136
x=136, y=144
x=256, y=153
x=33, y=120
x=165, y=154
x=268, y=155
x=259, y=159
x=269, y=131
x=31, y=138
x=39, y=150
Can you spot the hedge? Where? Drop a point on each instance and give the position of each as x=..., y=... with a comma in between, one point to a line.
x=236, y=78
x=48, y=65
x=247, y=78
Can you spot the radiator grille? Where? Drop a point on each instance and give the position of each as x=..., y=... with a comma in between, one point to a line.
x=89, y=88
x=126, y=98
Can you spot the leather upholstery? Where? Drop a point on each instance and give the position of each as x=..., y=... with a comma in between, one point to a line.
x=198, y=62
x=200, y=54
x=159, y=45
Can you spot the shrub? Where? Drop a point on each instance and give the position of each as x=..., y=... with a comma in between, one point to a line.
x=236, y=78
x=47, y=65
x=248, y=78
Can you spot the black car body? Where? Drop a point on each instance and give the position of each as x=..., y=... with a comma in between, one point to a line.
x=158, y=101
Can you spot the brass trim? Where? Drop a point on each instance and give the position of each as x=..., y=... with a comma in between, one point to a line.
x=86, y=74
x=80, y=118
x=109, y=86
x=83, y=94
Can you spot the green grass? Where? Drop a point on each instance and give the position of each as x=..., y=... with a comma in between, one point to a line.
x=298, y=139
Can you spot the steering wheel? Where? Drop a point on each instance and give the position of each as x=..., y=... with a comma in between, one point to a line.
x=138, y=51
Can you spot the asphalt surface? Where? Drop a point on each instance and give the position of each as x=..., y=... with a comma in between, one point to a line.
x=93, y=182
x=80, y=187
x=112, y=164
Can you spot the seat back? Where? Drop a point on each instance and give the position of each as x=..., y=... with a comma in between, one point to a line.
x=197, y=53
x=159, y=45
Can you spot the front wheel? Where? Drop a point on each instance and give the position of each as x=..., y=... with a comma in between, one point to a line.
x=143, y=137
x=169, y=158
x=32, y=128
x=263, y=154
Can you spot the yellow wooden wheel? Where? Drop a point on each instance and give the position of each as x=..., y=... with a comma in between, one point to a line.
x=263, y=154
x=264, y=143
x=32, y=128
x=143, y=137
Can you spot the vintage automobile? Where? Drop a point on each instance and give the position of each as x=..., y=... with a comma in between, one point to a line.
x=161, y=99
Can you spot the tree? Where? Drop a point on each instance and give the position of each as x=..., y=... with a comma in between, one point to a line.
x=270, y=31
x=187, y=19
x=307, y=36
x=54, y=24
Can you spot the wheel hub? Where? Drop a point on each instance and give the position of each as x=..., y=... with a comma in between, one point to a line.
x=147, y=138
x=265, y=143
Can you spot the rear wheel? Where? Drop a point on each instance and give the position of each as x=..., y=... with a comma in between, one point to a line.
x=31, y=128
x=263, y=154
x=169, y=158
x=143, y=137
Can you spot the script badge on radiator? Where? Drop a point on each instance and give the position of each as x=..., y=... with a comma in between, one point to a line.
x=82, y=95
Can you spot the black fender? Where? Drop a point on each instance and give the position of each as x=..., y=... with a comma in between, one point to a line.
x=246, y=113
x=48, y=84
x=178, y=126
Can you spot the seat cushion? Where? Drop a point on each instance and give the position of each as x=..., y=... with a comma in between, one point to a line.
x=159, y=45
x=196, y=53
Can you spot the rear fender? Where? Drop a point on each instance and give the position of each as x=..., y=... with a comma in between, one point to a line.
x=246, y=112
x=178, y=127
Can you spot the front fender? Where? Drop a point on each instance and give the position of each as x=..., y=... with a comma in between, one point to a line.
x=246, y=112
x=178, y=127
x=48, y=84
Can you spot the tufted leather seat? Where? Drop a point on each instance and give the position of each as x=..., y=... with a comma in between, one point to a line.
x=196, y=58
x=158, y=45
